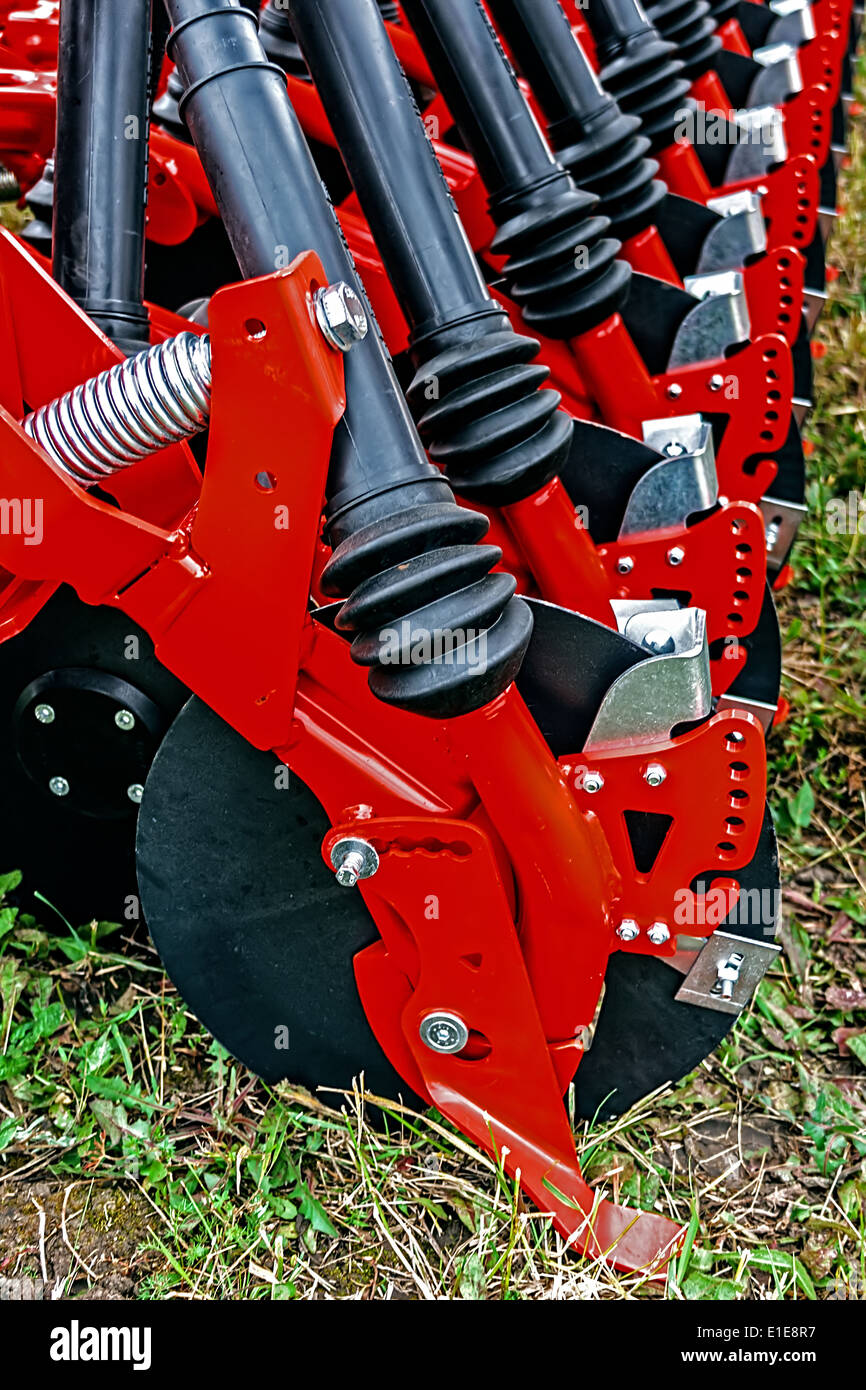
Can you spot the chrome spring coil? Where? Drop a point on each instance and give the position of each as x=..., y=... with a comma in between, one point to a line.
x=137, y=407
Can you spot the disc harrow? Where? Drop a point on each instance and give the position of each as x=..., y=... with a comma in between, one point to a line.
x=403, y=407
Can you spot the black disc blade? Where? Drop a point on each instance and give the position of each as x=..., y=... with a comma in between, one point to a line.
x=252, y=927
x=644, y=1037
x=84, y=705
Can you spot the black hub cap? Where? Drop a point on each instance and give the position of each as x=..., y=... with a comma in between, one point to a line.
x=84, y=704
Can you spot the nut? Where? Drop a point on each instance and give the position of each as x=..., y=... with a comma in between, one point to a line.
x=341, y=315
x=659, y=933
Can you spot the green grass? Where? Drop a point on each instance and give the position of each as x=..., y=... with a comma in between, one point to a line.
x=138, y=1160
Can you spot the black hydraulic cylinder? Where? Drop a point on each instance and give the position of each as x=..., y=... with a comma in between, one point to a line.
x=640, y=68
x=100, y=181
x=401, y=545
x=613, y=23
x=562, y=268
x=497, y=435
x=390, y=161
x=598, y=144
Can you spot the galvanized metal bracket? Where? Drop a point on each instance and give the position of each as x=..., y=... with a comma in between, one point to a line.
x=682, y=482
x=719, y=320
x=740, y=233
x=782, y=521
x=646, y=702
x=761, y=143
x=780, y=78
x=725, y=972
x=794, y=22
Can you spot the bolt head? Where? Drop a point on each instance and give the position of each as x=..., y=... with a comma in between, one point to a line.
x=674, y=449
x=676, y=555
x=124, y=719
x=654, y=775
x=443, y=1032
x=352, y=859
x=628, y=929
x=659, y=933
x=135, y=792
x=674, y=391
x=716, y=382
x=625, y=564
x=58, y=786
x=592, y=782
x=44, y=714
x=341, y=315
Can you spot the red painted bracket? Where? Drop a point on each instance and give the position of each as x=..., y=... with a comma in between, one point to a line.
x=462, y=955
x=731, y=752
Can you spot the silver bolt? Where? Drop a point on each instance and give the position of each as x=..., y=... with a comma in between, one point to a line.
x=444, y=1032
x=674, y=391
x=350, y=869
x=625, y=564
x=628, y=929
x=676, y=555
x=353, y=859
x=135, y=792
x=716, y=382
x=659, y=641
x=674, y=449
x=44, y=714
x=124, y=720
x=341, y=316
x=659, y=933
x=592, y=782
x=654, y=775
x=59, y=786
x=728, y=972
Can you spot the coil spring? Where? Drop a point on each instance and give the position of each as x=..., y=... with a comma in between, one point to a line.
x=9, y=189
x=137, y=407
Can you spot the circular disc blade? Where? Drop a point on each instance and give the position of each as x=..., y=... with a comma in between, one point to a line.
x=65, y=681
x=252, y=927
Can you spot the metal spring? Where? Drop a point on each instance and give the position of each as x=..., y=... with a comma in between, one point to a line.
x=9, y=189
x=137, y=407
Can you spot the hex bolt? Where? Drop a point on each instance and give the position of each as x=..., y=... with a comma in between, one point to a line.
x=674, y=391
x=628, y=929
x=444, y=1032
x=625, y=564
x=58, y=786
x=674, y=449
x=353, y=859
x=135, y=792
x=341, y=315
x=659, y=933
x=654, y=775
x=44, y=714
x=592, y=782
x=659, y=641
x=124, y=720
x=716, y=381
x=676, y=555
x=349, y=871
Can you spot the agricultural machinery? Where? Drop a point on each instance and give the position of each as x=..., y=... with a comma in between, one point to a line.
x=401, y=412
